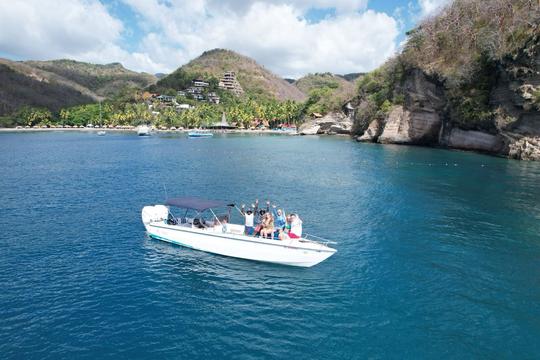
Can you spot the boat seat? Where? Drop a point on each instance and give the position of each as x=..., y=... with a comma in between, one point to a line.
x=199, y=223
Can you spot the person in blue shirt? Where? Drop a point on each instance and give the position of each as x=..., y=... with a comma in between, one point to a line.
x=279, y=218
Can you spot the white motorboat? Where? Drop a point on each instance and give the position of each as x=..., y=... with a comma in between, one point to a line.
x=219, y=236
x=143, y=130
x=199, y=134
x=101, y=133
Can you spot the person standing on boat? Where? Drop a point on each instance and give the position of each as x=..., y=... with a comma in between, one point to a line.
x=249, y=220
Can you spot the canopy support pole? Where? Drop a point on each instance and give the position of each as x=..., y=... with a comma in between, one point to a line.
x=212, y=211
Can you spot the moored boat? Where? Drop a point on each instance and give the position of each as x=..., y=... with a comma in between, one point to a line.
x=199, y=134
x=219, y=236
x=143, y=130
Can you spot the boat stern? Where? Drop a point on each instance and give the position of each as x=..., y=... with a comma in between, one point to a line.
x=150, y=214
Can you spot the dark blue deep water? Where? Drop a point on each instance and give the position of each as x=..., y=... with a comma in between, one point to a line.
x=438, y=254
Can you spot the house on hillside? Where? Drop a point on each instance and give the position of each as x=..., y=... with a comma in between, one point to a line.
x=194, y=90
x=200, y=83
x=180, y=93
x=165, y=98
x=213, y=98
x=229, y=82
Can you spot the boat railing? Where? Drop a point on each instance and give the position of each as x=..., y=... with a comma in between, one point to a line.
x=319, y=240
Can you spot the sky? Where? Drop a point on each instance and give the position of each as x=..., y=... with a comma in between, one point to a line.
x=290, y=38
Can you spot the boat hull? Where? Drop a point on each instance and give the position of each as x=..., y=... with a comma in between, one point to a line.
x=200, y=135
x=288, y=252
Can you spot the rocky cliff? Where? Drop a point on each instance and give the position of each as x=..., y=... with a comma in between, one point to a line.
x=486, y=101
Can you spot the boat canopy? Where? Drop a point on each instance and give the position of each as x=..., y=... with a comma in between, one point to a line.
x=196, y=203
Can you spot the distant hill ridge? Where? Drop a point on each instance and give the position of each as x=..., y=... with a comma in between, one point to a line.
x=103, y=80
x=62, y=83
x=56, y=84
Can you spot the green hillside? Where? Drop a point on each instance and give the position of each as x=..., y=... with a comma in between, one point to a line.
x=326, y=91
x=62, y=83
x=256, y=81
x=18, y=90
x=104, y=80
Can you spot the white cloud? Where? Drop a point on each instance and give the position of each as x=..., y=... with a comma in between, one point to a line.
x=274, y=33
x=39, y=29
x=429, y=7
x=77, y=29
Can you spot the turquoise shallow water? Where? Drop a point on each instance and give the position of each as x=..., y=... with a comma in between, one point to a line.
x=439, y=251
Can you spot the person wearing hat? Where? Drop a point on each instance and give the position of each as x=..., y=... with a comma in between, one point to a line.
x=249, y=216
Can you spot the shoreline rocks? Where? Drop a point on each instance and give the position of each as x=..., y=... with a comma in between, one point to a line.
x=331, y=124
x=527, y=148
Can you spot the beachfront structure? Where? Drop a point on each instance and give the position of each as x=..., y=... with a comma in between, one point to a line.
x=229, y=82
x=223, y=124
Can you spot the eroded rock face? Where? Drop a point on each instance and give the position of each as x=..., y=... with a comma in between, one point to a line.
x=396, y=127
x=475, y=140
x=372, y=133
x=331, y=123
x=406, y=127
x=418, y=121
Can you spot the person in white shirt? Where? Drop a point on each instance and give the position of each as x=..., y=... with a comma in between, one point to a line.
x=249, y=225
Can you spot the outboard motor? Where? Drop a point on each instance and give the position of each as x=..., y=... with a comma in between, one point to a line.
x=154, y=213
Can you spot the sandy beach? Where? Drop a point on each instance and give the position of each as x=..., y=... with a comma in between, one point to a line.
x=233, y=131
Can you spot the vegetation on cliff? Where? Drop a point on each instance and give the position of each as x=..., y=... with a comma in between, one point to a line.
x=464, y=49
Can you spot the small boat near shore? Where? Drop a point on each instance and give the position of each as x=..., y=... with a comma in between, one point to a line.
x=101, y=133
x=143, y=130
x=200, y=134
x=219, y=236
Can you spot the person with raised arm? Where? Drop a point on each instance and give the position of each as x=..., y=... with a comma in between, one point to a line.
x=279, y=219
x=249, y=214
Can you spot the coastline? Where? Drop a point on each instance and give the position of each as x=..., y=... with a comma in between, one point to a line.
x=134, y=130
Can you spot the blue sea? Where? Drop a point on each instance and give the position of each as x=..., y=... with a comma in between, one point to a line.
x=438, y=251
